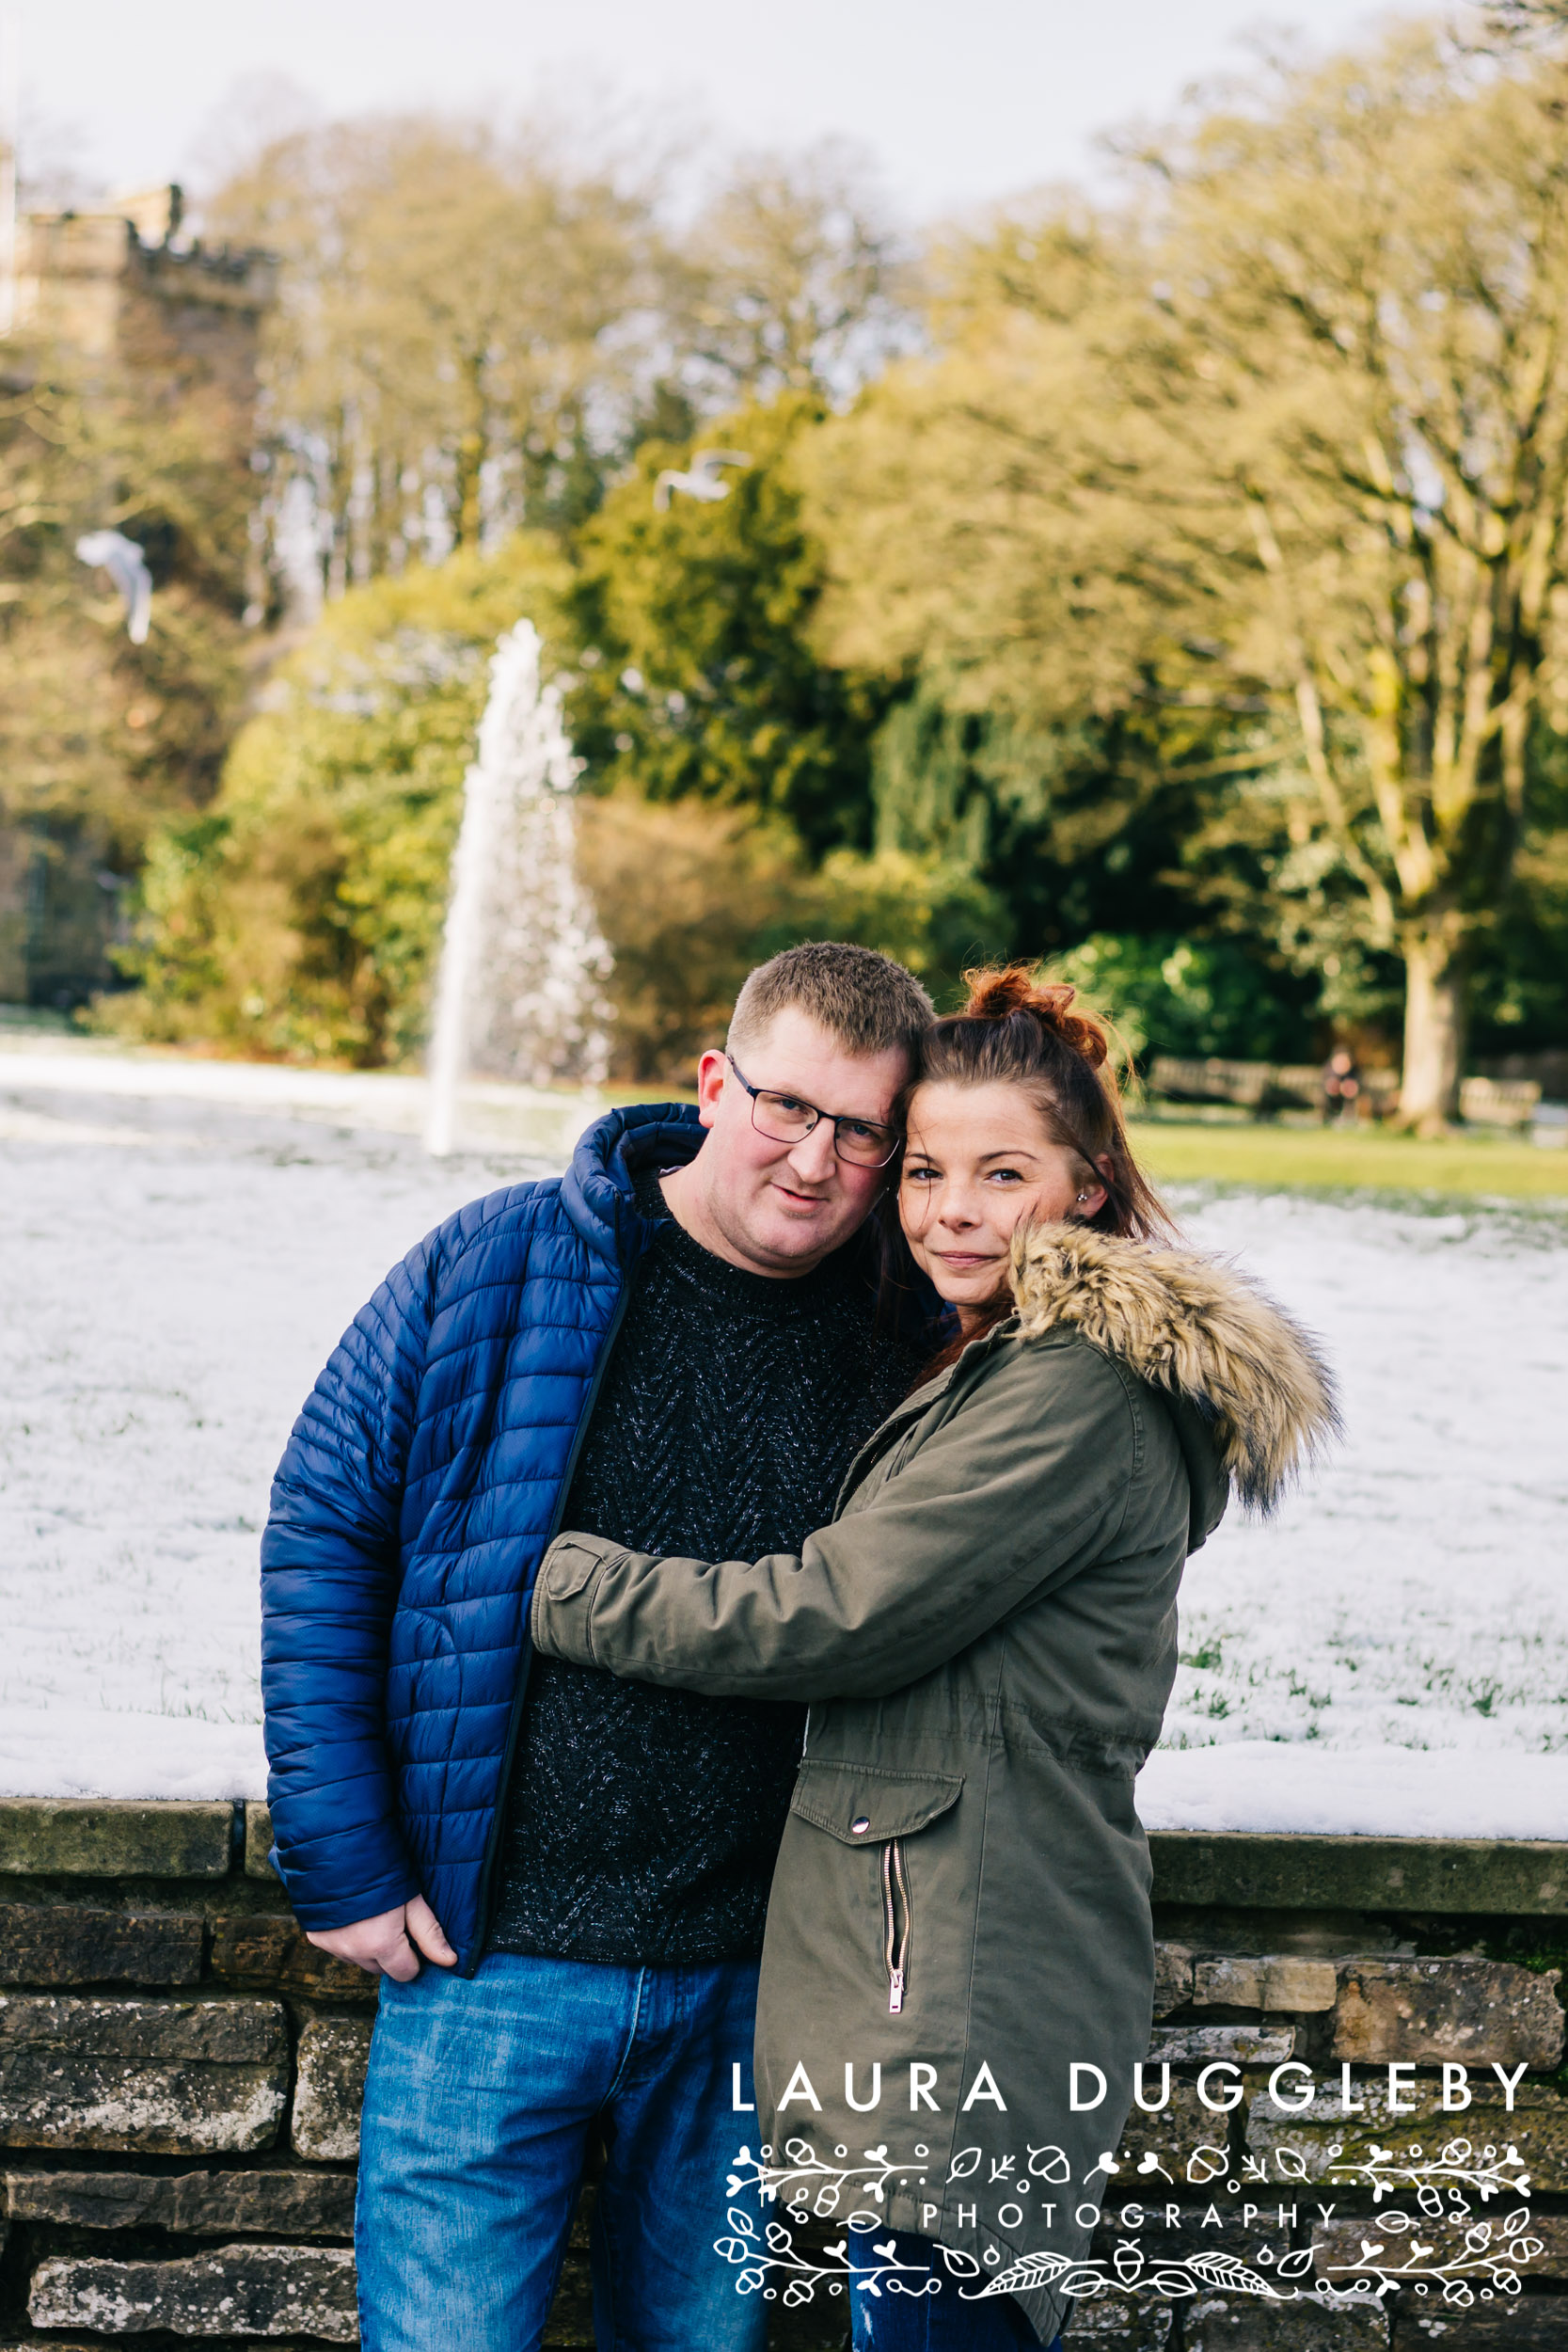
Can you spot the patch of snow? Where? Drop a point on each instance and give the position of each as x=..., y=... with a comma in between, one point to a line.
x=1299, y=1786
x=65, y=1751
x=182, y=1251
x=1411, y=1594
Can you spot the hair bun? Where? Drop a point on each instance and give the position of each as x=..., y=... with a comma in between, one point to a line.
x=999, y=994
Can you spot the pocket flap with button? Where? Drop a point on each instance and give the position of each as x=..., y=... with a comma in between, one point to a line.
x=865, y=1805
x=569, y=1565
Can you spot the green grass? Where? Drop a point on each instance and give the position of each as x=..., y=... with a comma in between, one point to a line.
x=1333, y=1159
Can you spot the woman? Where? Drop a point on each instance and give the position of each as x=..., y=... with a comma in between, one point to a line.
x=959, y=1933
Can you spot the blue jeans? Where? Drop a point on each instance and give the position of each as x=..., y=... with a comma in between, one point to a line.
x=478, y=2106
x=929, y=2322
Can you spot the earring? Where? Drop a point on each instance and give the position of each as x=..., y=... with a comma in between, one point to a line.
x=1083, y=1196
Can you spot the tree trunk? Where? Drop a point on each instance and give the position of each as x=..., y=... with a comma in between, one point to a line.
x=1435, y=1006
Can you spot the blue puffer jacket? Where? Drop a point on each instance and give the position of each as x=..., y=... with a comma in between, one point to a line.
x=421, y=1485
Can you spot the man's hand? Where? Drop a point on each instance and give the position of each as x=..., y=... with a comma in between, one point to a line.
x=392, y=1943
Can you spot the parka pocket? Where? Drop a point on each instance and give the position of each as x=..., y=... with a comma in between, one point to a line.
x=875, y=1804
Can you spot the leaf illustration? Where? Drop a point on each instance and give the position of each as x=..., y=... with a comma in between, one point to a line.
x=1171, y=2284
x=1294, y=2265
x=1030, y=2270
x=964, y=2163
x=738, y=2218
x=1228, y=2271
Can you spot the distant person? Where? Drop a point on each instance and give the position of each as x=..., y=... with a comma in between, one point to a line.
x=1341, y=1086
x=676, y=1346
x=987, y=1632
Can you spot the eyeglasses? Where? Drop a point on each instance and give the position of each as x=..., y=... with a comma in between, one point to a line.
x=785, y=1119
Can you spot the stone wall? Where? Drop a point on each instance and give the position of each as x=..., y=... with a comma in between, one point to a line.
x=181, y=2070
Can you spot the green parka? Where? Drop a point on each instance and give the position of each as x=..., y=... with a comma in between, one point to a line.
x=987, y=1637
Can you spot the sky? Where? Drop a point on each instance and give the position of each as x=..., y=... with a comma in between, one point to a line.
x=959, y=102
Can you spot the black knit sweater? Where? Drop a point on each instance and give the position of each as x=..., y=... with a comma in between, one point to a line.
x=643, y=1824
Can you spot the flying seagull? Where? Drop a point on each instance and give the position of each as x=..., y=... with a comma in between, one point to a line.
x=127, y=567
x=700, y=481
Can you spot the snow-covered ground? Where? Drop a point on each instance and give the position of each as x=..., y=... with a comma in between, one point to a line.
x=183, y=1242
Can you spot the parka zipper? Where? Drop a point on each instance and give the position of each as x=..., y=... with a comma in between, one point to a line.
x=895, y=1923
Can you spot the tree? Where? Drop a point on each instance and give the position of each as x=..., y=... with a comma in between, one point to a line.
x=299, y=916
x=1288, y=446
x=478, y=328
x=458, y=340
x=699, y=678
x=792, y=278
x=101, y=740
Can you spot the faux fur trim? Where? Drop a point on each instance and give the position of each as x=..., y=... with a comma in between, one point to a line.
x=1192, y=1326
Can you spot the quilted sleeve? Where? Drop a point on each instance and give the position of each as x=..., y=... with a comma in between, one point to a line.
x=330, y=1564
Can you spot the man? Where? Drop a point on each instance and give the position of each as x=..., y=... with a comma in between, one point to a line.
x=675, y=1347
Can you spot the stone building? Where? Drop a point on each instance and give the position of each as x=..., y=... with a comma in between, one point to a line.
x=121, y=287
x=121, y=290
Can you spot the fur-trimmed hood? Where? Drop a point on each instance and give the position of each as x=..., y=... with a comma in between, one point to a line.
x=1194, y=1327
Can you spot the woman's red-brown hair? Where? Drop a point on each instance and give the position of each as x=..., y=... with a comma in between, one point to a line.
x=1018, y=1029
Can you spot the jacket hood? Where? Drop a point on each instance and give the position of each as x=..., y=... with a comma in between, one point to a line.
x=596, y=1190
x=1186, y=1323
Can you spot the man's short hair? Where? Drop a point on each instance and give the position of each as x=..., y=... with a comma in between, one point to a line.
x=862, y=998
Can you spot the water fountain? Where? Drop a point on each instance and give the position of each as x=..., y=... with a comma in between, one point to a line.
x=519, y=993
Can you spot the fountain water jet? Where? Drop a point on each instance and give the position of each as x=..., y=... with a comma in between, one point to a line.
x=519, y=992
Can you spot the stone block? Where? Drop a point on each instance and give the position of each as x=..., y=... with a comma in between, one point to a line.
x=1370, y=2245
x=264, y=2291
x=175, y=2077
x=68, y=1944
x=1272, y=1981
x=1474, y=2011
x=1532, y=2324
x=1248, y=1871
x=271, y=1947
x=57, y=1837
x=258, y=1841
x=1538, y=2127
x=1240, y=2045
x=193, y=2205
x=1249, y=2323
x=1122, y=2323
x=329, y=2092
x=1173, y=1978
